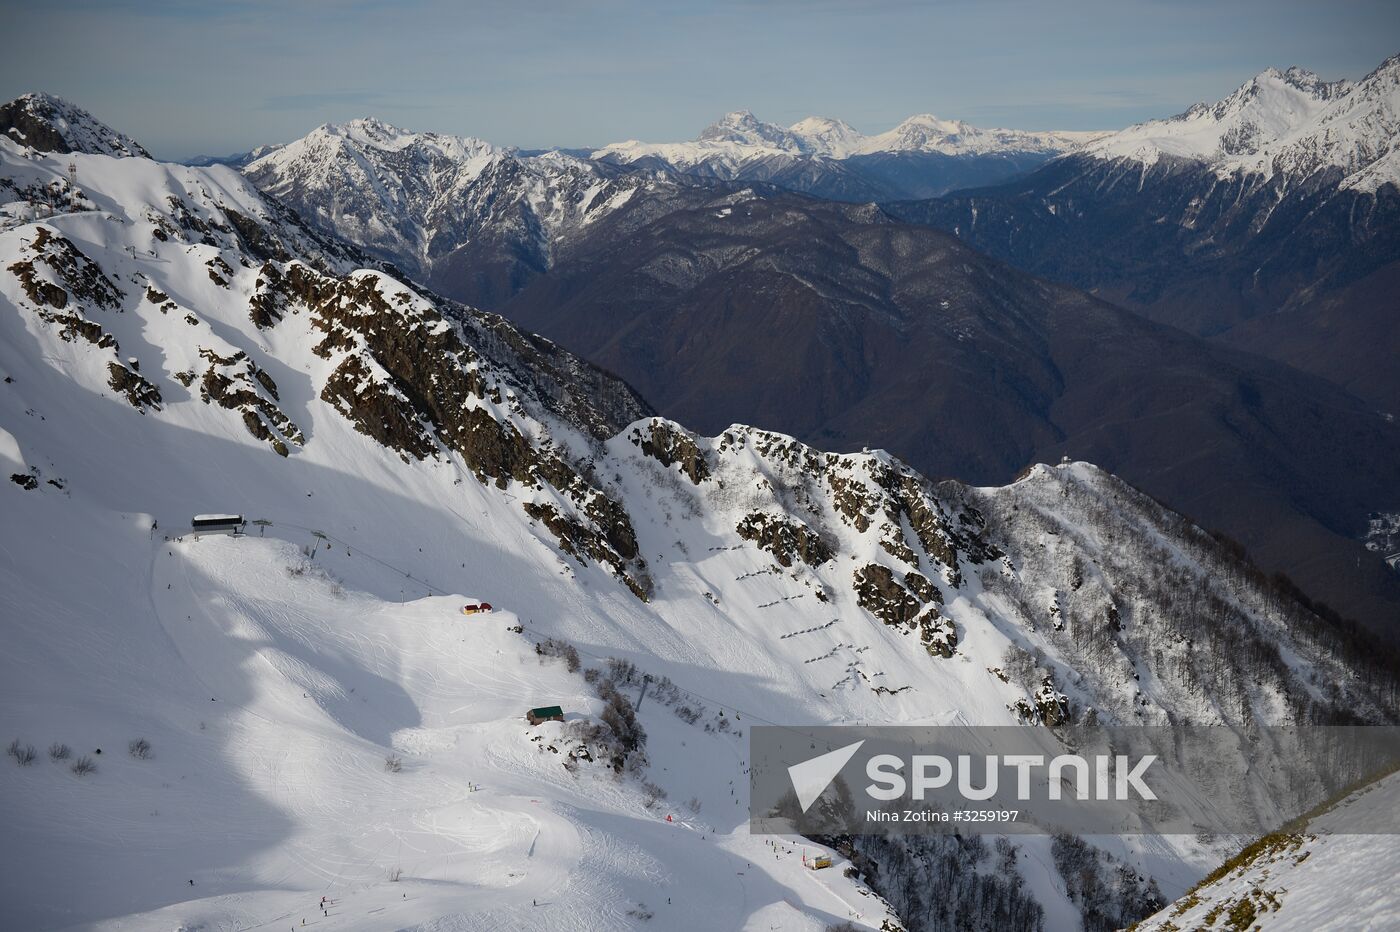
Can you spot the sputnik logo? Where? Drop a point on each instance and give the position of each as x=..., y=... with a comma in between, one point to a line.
x=811, y=777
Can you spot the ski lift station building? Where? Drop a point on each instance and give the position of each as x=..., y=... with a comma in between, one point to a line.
x=207, y=523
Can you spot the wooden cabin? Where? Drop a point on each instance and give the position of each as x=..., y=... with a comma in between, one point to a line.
x=545, y=713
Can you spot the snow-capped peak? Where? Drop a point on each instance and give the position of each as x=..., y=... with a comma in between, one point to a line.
x=52, y=124
x=1269, y=105
x=925, y=131
x=355, y=148
x=372, y=133
x=743, y=128
x=835, y=138
x=1359, y=131
x=927, y=122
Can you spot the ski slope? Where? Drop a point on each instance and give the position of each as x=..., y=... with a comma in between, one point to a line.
x=272, y=700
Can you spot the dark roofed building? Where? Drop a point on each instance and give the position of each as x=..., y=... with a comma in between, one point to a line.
x=546, y=713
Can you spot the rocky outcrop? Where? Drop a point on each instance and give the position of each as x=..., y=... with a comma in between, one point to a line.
x=74, y=275
x=585, y=542
x=1046, y=706
x=126, y=381
x=881, y=595
x=911, y=606
x=787, y=540
x=237, y=383
x=590, y=399
x=666, y=443
x=219, y=271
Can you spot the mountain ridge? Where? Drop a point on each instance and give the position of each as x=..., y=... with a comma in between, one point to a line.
x=823, y=320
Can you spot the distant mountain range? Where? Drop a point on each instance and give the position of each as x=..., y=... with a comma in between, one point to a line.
x=740, y=135
x=921, y=157
x=1269, y=221
x=478, y=221
x=235, y=160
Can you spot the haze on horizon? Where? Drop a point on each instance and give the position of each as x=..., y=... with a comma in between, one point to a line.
x=188, y=78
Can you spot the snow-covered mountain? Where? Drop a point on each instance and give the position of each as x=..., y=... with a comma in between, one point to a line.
x=1289, y=123
x=466, y=217
x=323, y=722
x=921, y=157
x=50, y=124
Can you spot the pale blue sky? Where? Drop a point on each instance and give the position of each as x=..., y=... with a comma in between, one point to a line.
x=187, y=77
